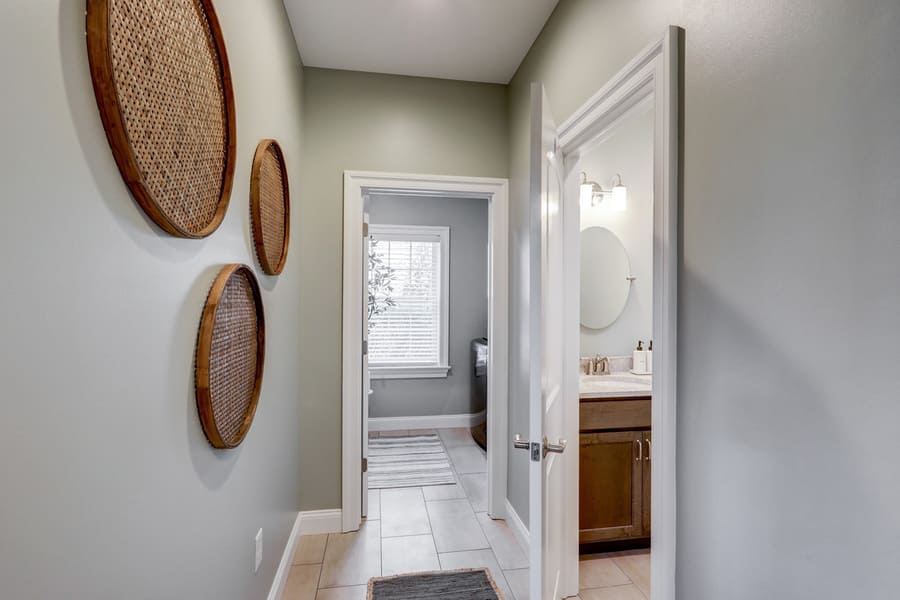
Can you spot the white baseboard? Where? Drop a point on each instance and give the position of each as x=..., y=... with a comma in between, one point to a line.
x=309, y=522
x=320, y=521
x=518, y=527
x=426, y=422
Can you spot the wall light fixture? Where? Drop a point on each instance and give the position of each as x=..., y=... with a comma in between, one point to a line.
x=592, y=193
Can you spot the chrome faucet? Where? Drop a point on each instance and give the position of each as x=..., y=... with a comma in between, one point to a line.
x=597, y=365
x=603, y=364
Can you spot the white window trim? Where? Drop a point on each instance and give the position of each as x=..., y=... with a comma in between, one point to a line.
x=416, y=371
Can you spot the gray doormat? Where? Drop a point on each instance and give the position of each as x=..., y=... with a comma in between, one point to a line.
x=463, y=584
x=408, y=461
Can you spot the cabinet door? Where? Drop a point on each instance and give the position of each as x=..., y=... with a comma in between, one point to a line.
x=611, y=480
x=645, y=493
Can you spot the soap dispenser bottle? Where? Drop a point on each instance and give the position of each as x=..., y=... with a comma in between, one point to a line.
x=639, y=359
x=650, y=357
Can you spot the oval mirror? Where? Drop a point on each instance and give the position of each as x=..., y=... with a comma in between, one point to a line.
x=605, y=273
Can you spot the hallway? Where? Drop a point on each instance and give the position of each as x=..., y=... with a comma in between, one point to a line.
x=415, y=529
x=444, y=527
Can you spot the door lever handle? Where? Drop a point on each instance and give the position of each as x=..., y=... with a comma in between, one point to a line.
x=520, y=443
x=557, y=448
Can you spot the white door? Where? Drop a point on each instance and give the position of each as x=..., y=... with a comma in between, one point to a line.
x=366, y=381
x=546, y=398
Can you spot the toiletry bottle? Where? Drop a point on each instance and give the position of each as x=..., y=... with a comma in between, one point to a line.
x=650, y=357
x=639, y=359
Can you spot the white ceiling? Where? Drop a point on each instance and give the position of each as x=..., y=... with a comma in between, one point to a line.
x=473, y=40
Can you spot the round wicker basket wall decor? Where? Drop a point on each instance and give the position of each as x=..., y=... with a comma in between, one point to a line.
x=270, y=206
x=230, y=353
x=163, y=87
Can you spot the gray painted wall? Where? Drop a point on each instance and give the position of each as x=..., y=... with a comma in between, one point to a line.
x=788, y=379
x=467, y=219
x=369, y=122
x=110, y=489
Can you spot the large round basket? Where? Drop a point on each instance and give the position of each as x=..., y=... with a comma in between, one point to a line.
x=230, y=352
x=163, y=86
x=270, y=206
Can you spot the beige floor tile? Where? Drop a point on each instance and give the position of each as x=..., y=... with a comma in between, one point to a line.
x=637, y=566
x=600, y=572
x=518, y=580
x=412, y=554
x=620, y=592
x=356, y=592
x=458, y=436
x=301, y=583
x=310, y=549
x=475, y=486
x=374, y=505
x=352, y=558
x=403, y=512
x=503, y=542
x=468, y=459
x=443, y=492
x=455, y=526
x=476, y=559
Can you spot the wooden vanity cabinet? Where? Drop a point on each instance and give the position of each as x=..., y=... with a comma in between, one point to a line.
x=614, y=467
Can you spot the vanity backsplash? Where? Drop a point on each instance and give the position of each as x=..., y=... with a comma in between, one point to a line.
x=617, y=364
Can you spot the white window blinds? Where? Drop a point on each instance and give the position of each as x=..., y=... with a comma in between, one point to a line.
x=411, y=332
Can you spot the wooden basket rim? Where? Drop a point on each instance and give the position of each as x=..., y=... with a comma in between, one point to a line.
x=255, y=206
x=204, y=349
x=106, y=93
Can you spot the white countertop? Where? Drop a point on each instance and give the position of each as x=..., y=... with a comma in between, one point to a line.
x=615, y=385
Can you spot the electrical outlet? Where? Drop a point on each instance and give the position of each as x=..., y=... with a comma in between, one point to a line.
x=259, y=541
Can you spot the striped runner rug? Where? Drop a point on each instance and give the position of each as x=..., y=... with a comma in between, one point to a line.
x=408, y=461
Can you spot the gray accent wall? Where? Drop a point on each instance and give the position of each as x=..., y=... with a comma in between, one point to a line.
x=363, y=121
x=467, y=219
x=788, y=383
x=110, y=489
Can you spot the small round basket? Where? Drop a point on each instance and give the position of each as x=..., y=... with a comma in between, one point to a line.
x=270, y=207
x=230, y=352
x=163, y=87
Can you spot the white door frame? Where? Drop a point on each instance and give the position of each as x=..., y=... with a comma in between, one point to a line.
x=496, y=192
x=652, y=77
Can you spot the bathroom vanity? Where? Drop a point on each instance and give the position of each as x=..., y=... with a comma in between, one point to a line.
x=614, y=456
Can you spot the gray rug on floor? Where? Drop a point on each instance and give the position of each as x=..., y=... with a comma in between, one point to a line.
x=408, y=461
x=464, y=584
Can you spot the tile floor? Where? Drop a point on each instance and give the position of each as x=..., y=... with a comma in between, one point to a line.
x=615, y=576
x=442, y=527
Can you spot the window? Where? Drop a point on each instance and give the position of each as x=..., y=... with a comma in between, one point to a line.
x=408, y=327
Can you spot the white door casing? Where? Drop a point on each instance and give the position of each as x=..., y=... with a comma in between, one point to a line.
x=653, y=76
x=495, y=192
x=366, y=378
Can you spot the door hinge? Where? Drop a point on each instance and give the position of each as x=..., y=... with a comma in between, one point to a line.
x=365, y=347
x=365, y=230
x=365, y=465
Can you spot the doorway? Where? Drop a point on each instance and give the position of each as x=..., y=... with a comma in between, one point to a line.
x=358, y=186
x=651, y=79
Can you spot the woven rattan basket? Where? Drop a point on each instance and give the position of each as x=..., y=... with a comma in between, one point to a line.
x=163, y=87
x=270, y=206
x=230, y=352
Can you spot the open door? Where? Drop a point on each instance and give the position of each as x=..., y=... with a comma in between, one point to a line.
x=366, y=381
x=547, y=357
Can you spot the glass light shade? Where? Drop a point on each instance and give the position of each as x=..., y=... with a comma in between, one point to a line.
x=619, y=200
x=586, y=194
